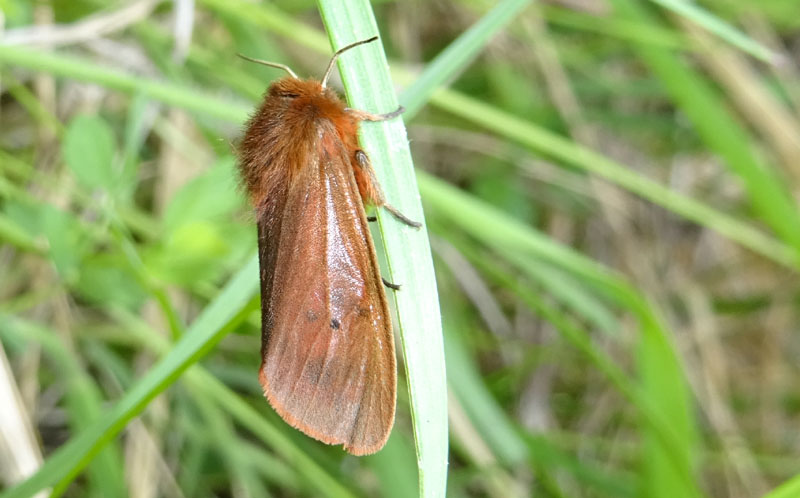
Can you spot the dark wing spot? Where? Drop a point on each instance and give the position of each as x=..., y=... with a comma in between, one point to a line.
x=335, y=324
x=311, y=316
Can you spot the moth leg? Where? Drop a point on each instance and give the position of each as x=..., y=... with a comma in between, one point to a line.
x=390, y=285
x=371, y=191
x=401, y=217
x=368, y=116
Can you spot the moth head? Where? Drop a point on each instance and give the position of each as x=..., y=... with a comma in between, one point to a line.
x=291, y=88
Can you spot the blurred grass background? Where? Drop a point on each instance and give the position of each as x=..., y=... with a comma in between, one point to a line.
x=611, y=191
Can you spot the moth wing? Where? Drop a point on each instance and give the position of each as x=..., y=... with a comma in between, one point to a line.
x=328, y=361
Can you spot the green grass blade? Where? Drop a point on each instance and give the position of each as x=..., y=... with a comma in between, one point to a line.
x=228, y=400
x=666, y=416
x=720, y=129
x=566, y=289
x=789, y=489
x=662, y=385
x=613, y=27
x=273, y=20
x=714, y=24
x=458, y=55
x=489, y=418
x=395, y=467
x=227, y=310
x=549, y=143
x=365, y=74
x=486, y=415
x=83, y=400
x=60, y=64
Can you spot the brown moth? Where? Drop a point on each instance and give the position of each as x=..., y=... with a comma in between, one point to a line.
x=328, y=359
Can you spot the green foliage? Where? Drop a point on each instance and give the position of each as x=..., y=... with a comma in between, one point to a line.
x=613, y=218
x=89, y=150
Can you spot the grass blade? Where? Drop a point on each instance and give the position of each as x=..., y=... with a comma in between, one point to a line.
x=227, y=310
x=365, y=74
x=721, y=131
x=719, y=27
x=453, y=59
x=661, y=396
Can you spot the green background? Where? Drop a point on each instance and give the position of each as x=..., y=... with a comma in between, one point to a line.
x=610, y=195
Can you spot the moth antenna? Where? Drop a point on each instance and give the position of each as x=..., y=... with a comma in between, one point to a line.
x=270, y=64
x=338, y=53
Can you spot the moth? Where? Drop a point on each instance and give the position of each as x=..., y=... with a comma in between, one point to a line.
x=327, y=349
